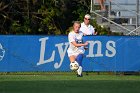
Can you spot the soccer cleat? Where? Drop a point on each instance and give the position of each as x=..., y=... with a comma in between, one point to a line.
x=79, y=75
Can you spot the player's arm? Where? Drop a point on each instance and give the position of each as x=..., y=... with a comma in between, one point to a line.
x=95, y=33
x=94, y=30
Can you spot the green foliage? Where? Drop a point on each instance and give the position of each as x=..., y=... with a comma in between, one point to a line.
x=18, y=28
x=101, y=30
x=50, y=17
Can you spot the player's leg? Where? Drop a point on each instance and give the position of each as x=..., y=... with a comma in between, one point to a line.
x=72, y=58
x=101, y=2
x=103, y=6
x=79, y=59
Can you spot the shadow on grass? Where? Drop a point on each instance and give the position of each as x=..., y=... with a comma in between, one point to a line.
x=71, y=86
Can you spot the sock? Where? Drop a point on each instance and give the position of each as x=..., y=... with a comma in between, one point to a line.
x=80, y=68
x=79, y=71
x=79, y=59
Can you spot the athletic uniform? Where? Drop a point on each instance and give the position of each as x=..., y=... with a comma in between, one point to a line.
x=77, y=37
x=76, y=51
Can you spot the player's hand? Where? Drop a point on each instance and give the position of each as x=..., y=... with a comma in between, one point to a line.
x=95, y=33
x=86, y=47
x=86, y=43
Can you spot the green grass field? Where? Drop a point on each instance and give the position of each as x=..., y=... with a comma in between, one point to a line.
x=69, y=83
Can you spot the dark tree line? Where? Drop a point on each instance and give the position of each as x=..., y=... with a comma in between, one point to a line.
x=49, y=17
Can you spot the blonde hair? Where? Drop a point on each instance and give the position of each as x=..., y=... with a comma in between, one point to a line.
x=76, y=22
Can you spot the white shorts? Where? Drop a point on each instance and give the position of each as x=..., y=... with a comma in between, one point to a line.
x=74, y=53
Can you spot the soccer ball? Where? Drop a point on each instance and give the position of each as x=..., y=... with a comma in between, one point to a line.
x=74, y=65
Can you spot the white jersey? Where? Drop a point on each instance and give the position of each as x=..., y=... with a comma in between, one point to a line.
x=88, y=30
x=73, y=50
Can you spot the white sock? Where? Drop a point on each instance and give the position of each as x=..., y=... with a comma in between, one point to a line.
x=79, y=71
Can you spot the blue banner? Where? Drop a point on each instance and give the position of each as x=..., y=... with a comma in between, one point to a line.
x=49, y=53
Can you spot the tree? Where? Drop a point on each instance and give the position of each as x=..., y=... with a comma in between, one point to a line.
x=50, y=17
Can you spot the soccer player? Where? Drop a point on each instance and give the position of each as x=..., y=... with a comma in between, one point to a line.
x=76, y=47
